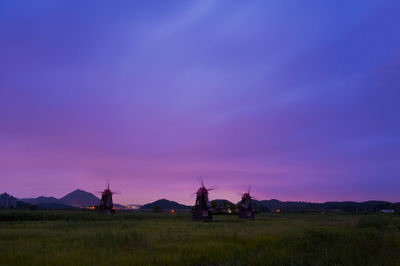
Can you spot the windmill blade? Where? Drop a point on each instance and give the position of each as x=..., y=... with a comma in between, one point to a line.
x=200, y=179
x=213, y=188
x=108, y=184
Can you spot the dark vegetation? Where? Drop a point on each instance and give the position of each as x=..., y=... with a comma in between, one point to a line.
x=147, y=238
x=221, y=206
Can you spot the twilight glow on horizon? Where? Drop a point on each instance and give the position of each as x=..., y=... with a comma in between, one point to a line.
x=299, y=99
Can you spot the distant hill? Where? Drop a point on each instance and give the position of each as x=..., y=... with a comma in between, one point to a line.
x=165, y=205
x=80, y=198
x=345, y=206
x=222, y=203
x=76, y=199
x=40, y=199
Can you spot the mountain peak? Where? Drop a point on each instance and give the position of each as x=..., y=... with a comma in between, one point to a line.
x=161, y=200
x=80, y=198
x=78, y=191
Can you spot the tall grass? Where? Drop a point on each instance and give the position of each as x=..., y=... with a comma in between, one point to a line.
x=83, y=238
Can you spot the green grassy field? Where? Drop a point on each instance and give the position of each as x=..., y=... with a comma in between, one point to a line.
x=83, y=238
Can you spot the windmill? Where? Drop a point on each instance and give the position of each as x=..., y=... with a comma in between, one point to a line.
x=106, y=203
x=246, y=210
x=202, y=210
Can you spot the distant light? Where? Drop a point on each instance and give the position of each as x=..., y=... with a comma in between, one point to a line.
x=172, y=211
x=387, y=211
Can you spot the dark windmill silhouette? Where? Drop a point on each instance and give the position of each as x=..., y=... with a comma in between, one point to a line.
x=202, y=210
x=106, y=203
x=246, y=209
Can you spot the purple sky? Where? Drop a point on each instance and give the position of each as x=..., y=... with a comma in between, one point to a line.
x=299, y=99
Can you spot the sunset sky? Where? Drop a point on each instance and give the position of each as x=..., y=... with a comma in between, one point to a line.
x=299, y=99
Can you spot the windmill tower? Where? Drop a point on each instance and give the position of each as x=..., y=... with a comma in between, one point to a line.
x=246, y=210
x=202, y=210
x=106, y=203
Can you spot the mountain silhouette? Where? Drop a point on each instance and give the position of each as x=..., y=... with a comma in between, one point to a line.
x=41, y=199
x=79, y=198
x=222, y=203
x=345, y=206
x=165, y=205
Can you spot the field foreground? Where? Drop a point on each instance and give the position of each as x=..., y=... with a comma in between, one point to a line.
x=84, y=238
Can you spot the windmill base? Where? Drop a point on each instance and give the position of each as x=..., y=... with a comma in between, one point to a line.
x=247, y=215
x=103, y=210
x=202, y=215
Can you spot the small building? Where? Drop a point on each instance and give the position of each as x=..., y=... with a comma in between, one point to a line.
x=7, y=201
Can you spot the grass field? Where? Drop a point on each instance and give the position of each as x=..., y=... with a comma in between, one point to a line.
x=84, y=238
